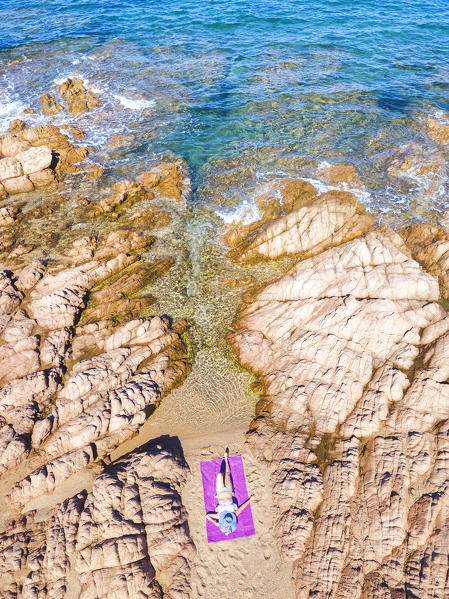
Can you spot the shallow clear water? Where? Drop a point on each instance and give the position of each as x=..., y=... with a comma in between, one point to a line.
x=245, y=91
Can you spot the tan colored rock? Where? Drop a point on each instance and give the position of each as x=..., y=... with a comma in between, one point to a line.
x=59, y=308
x=320, y=569
x=51, y=136
x=136, y=277
x=119, y=540
x=30, y=275
x=8, y=215
x=39, y=153
x=438, y=128
x=6, y=241
x=342, y=174
x=19, y=250
x=19, y=358
x=35, y=159
x=42, y=178
x=125, y=191
x=337, y=280
x=104, y=398
x=427, y=399
x=170, y=183
x=50, y=105
x=429, y=244
x=19, y=540
x=13, y=144
x=75, y=131
x=150, y=179
x=78, y=99
x=268, y=206
x=18, y=185
x=297, y=193
x=331, y=219
x=421, y=167
x=153, y=528
x=20, y=400
x=14, y=448
x=351, y=346
x=95, y=172
x=82, y=249
x=16, y=126
x=118, y=141
x=9, y=168
x=233, y=283
x=10, y=295
x=166, y=178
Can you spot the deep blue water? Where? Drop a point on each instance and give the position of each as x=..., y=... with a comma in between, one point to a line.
x=244, y=90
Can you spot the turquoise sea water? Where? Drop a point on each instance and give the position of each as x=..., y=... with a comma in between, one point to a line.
x=247, y=91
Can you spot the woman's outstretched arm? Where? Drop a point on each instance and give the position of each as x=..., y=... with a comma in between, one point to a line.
x=212, y=518
x=243, y=506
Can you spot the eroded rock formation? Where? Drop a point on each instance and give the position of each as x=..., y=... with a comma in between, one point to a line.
x=84, y=361
x=32, y=157
x=429, y=245
x=126, y=538
x=351, y=346
x=72, y=393
x=77, y=97
x=165, y=180
x=305, y=223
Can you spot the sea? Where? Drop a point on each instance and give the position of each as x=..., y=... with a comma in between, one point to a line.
x=246, y=92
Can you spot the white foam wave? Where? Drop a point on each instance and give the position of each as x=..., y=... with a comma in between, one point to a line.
x=247, y=212
x=9, y=109
x=82, y=76
x=432, y=184
x=134, y=103
x=322, y=187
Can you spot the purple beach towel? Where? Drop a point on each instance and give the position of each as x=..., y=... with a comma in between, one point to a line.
x=245, y=524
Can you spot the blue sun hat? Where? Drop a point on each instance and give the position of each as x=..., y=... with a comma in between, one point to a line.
x=227, y=522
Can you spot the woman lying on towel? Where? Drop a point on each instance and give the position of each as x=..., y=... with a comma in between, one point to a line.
x=227, y=511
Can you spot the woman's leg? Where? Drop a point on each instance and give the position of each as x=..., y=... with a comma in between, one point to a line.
x=227, y=477
x=219, y=484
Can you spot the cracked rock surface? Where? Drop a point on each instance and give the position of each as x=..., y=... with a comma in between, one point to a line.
x=85, y=359
x=32, y=157
x=126, y=538
x=351, y=346
x=305, y=223
x=72, y=393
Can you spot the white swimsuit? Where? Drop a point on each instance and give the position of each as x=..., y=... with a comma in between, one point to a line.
x=226, y=507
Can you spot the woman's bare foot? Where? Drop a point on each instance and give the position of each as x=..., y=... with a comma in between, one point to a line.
x=226, y=453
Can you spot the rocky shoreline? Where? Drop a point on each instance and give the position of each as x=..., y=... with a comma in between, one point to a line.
x=348, y=344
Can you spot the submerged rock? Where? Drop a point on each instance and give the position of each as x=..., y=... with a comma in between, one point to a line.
x=438, y=128
x=167, y=178
x=350, y=345
x=125, y=191
x=343, y=174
